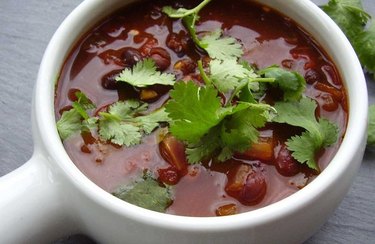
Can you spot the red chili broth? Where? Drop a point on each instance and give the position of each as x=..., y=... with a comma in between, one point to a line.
x=268, y=38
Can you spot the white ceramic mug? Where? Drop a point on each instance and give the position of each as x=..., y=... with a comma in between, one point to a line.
x=49, y=197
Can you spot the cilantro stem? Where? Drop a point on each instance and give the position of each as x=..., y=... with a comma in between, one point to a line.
x=203, y=74
x=78, y=107
x=189, y=22
x=236, y=91
x=189, y=18
x=199, y=7
x=261, y=79
x=188, y=12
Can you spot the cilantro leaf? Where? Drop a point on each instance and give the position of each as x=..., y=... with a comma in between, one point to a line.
x=183, y=12
x=303, y=149
x=318, y=134
x=235, y=133
x=117, y=131
x=206, y=146
x=144, y=74
x=219, y=47
x=84, y=101
x=290, y=82
x=146, y=193
x=69, y=124
x=364, y=44
x=371, y=126
x=76, y=119
x=348, y=14
x=194, y=110
x=240, y=131
x=150, y=121
x=213, y=43
x=123, y=124
x=199, y=119
x=227, y=74
x=128, y=109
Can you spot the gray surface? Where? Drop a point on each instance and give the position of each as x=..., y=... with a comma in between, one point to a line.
x=25, y=29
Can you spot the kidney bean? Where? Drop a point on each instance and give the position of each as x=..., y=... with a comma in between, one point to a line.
x=173, y=151
x=169, y=175
x=85, y=149
x=131, y=56
x=312, y=76
x=287, y=63
x=254, y=189
x=246, y=185
x=112, y=57
x=178, y=42
x=94, y=42
x=72, y=94
x=328, y=103
x=161, y=57
x=64, y=109
x=150, y=42
x=285, y=164
x=109, y=80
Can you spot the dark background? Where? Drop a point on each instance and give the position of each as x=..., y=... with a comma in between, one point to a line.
x=25, y=29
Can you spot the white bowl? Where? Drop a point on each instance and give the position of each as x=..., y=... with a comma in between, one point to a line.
x=49, y=197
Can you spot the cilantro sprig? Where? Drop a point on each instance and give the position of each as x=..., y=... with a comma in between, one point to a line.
x=147, y=193
x=144, y=74
x=353, y=20
x=123, y=124
x=199, y=119
x=214, y=43
x=77, y=118
x=371, y=126
x=319, y=133
x=359, y=27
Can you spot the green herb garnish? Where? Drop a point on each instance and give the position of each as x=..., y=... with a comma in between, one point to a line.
x=318, y=134
x=350, y=16
x=146, y=193
x=290, y=82
x=123, y=125
x=144, y=74
x=198, y=117
x=371, y=126
x=76, y=119
x=214, y=43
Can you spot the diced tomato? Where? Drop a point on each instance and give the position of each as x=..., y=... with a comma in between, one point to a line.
x=227, y=209
x=173, y=151
x=261, y=150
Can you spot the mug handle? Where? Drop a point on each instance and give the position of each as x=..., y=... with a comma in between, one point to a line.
x=32, y=209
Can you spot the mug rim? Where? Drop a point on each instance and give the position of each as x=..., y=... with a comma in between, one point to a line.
x=355, y=132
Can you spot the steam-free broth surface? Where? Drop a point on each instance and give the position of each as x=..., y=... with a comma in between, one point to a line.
x=142, y=30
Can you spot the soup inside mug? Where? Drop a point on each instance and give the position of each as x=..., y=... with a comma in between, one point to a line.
x=121, y=216
x=265, y=172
